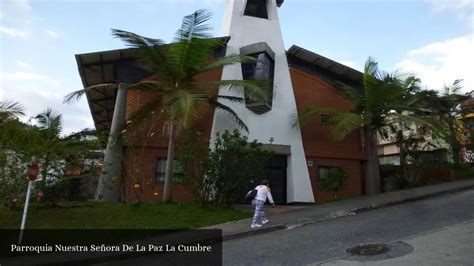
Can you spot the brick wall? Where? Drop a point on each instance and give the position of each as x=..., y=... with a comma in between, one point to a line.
x=149, y=141
x=354, y=184
x=319, y=145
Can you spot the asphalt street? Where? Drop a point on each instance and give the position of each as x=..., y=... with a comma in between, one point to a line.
x=329, y=240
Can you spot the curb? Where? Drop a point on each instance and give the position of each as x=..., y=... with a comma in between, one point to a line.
x=400, y=202
x=254, y=232
x=341, y=213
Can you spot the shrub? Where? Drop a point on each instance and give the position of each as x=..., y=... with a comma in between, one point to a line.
x=13, y=181
x=334, y=181
x=220, y=175
x=401, y=182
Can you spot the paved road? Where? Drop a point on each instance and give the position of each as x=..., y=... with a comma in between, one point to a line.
x=448, y=246
x=329, y=240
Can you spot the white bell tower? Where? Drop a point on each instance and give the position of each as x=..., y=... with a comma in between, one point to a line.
x=254, y=29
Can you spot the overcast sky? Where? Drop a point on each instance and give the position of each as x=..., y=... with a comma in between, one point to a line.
x=39, y=39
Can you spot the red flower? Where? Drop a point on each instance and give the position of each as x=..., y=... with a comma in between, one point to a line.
x=40, y=194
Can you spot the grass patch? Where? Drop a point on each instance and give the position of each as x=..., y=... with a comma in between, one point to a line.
x=88, y=215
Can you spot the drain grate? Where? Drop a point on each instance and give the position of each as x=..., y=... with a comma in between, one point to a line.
x=369, y=250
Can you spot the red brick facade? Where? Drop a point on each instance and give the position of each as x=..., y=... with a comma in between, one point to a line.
x=318, y=145
x=150, y=143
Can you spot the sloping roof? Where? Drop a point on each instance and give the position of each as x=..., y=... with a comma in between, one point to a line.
x=102, y=68
x=317, y=62
x=108, y=67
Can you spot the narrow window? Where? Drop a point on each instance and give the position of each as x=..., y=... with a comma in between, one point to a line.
x=262, y=69
x=160, y=171
x=324, y=171
x=256, y=8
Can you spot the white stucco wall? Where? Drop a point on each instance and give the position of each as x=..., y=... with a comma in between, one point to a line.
x=276, y=124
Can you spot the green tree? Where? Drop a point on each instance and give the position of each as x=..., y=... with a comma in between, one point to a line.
x=57, y=153
x=41, y=142
x=10, y=110
x=49, y=126
x=445, y=106
x=232, y=163
x=192, y=157
x=175, y=69
x=410, y=110
x=379, y=96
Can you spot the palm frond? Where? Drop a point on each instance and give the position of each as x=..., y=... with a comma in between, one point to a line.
x=186, y=106
x=228, y=60
x=190, y=56
x=153, y=53
x=134, y=40
x=193, y=45
x=435, y=125
x=49, y=120
x=75, y=96
x=344, y=123
x=232, y=114
x=381, y=96
x=371, y=69
x=149, y=85
x=351, y=94
x=412, y=84
x=195, y=26
x=371, y=84
x=454, y=88
x=138, y=117
x=11, y=109
x=255, y=89
x=310, y=112
x=234, y=99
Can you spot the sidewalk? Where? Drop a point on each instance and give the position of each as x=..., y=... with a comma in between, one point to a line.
x=453, y=245
x=291, y=216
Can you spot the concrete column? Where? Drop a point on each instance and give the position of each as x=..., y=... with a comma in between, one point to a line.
x=108, y=189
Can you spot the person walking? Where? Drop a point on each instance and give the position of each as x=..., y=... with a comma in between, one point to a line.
x=263, y=192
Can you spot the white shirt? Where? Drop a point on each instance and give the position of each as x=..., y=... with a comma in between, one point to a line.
x=263, y=192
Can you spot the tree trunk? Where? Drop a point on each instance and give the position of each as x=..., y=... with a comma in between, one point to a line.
x=455, y=147
x=44, y=173
x=403, y=155
x=169, y=164
x=372, y=171
x=404, y=163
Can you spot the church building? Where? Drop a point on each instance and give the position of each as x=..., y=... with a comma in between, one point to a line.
x=299, y=78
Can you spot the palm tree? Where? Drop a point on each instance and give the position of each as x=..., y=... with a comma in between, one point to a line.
x=54, y=148
x=10, y=110
x=49, y=125
x=175, y=68
x=446, y=107
x=379, y=96
x=410, y=108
